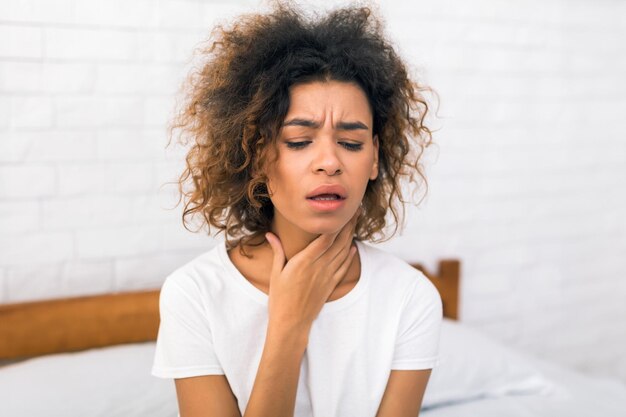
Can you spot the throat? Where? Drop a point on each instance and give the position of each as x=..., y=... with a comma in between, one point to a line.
x=257, y=269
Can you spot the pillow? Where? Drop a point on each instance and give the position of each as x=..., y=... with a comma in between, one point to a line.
x=112, y=381
x=474, y=366
x=116, y=381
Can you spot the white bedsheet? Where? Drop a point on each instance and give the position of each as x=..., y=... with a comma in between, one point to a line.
x=574, y=395
x=106, y=382
x=116, y=382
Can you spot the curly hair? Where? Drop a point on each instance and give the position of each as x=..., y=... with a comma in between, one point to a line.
x=237, y=99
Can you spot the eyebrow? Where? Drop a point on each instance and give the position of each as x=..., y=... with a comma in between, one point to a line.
x=312, y=124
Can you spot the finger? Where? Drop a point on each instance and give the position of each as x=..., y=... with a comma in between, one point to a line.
x=345, y=240
x=347, y=230
x=339, y=248
x=348, y=234
x=344, y=252
x=278, y=261
x=342, y=271
x=316, y=248
x=325, y=242
x=355, y=218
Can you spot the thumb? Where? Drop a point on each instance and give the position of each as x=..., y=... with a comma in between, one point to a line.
x=279, y=253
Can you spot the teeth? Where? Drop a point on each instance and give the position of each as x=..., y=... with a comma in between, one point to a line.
x=325, y=198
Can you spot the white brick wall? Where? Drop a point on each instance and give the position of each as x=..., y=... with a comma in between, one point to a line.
x=85, y=94
x=525, y=184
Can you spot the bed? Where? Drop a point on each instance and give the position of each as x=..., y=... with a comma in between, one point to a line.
x=91, y=356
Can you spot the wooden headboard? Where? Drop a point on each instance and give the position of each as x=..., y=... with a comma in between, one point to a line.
x=73, y=324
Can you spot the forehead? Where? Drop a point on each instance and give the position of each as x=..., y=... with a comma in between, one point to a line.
x=318, y=98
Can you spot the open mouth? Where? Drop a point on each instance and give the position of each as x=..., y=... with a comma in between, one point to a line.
x=326, y=197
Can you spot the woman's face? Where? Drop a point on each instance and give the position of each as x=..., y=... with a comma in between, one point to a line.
x=326, y=139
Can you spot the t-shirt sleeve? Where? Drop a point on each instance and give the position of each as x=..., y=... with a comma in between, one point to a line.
x=417, y=343
x=184, y=346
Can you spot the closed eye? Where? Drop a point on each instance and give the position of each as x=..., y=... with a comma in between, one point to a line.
x=352, y=146
x=349, y=146
x=296, y=145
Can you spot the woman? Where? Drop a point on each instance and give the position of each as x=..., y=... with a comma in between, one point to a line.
x=300, y=133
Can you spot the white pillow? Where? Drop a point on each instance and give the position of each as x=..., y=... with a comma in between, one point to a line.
x=114, y=382
x=474, y=366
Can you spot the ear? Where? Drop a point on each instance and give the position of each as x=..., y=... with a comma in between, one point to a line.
x=374, y=173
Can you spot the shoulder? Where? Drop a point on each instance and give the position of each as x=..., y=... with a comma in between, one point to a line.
x=200, y=274
x=388, y=270
x=385, y=265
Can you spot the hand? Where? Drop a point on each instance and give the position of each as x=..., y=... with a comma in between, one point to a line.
x=299, y=289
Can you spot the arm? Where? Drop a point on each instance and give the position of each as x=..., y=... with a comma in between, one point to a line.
x=276, y=382
x=207, y=395
x=276, y=379
x=417, y=346
x=298, y=291
x=404, y=393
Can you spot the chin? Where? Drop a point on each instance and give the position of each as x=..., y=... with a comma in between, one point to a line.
x=324, y=231
x=325, y=227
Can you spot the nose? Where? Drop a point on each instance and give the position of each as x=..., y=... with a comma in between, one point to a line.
x=326, y=159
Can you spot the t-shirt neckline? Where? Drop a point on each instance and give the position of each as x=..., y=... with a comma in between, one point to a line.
x=328, y=307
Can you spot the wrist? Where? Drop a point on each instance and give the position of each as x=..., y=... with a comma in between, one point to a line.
x=296, y=335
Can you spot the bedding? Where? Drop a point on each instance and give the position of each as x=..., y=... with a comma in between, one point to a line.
x=481, y=377
x=573, y=395
x=475, y=366
x=477, y=376
x=112, y=381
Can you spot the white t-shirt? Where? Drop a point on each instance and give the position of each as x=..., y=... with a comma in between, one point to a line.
x=214, y=321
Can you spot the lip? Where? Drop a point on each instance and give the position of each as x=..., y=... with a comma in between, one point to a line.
x=329, y=189
x=326, y=205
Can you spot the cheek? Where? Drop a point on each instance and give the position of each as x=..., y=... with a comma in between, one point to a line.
x=367, y=165
x=277, y=184
x=276, y=187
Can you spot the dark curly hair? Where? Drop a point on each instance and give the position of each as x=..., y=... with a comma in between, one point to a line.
x=238, y=98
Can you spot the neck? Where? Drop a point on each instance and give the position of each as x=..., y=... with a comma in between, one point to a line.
x=292, y=239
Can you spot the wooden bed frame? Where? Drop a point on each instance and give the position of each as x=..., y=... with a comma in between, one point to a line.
x=73, y=324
